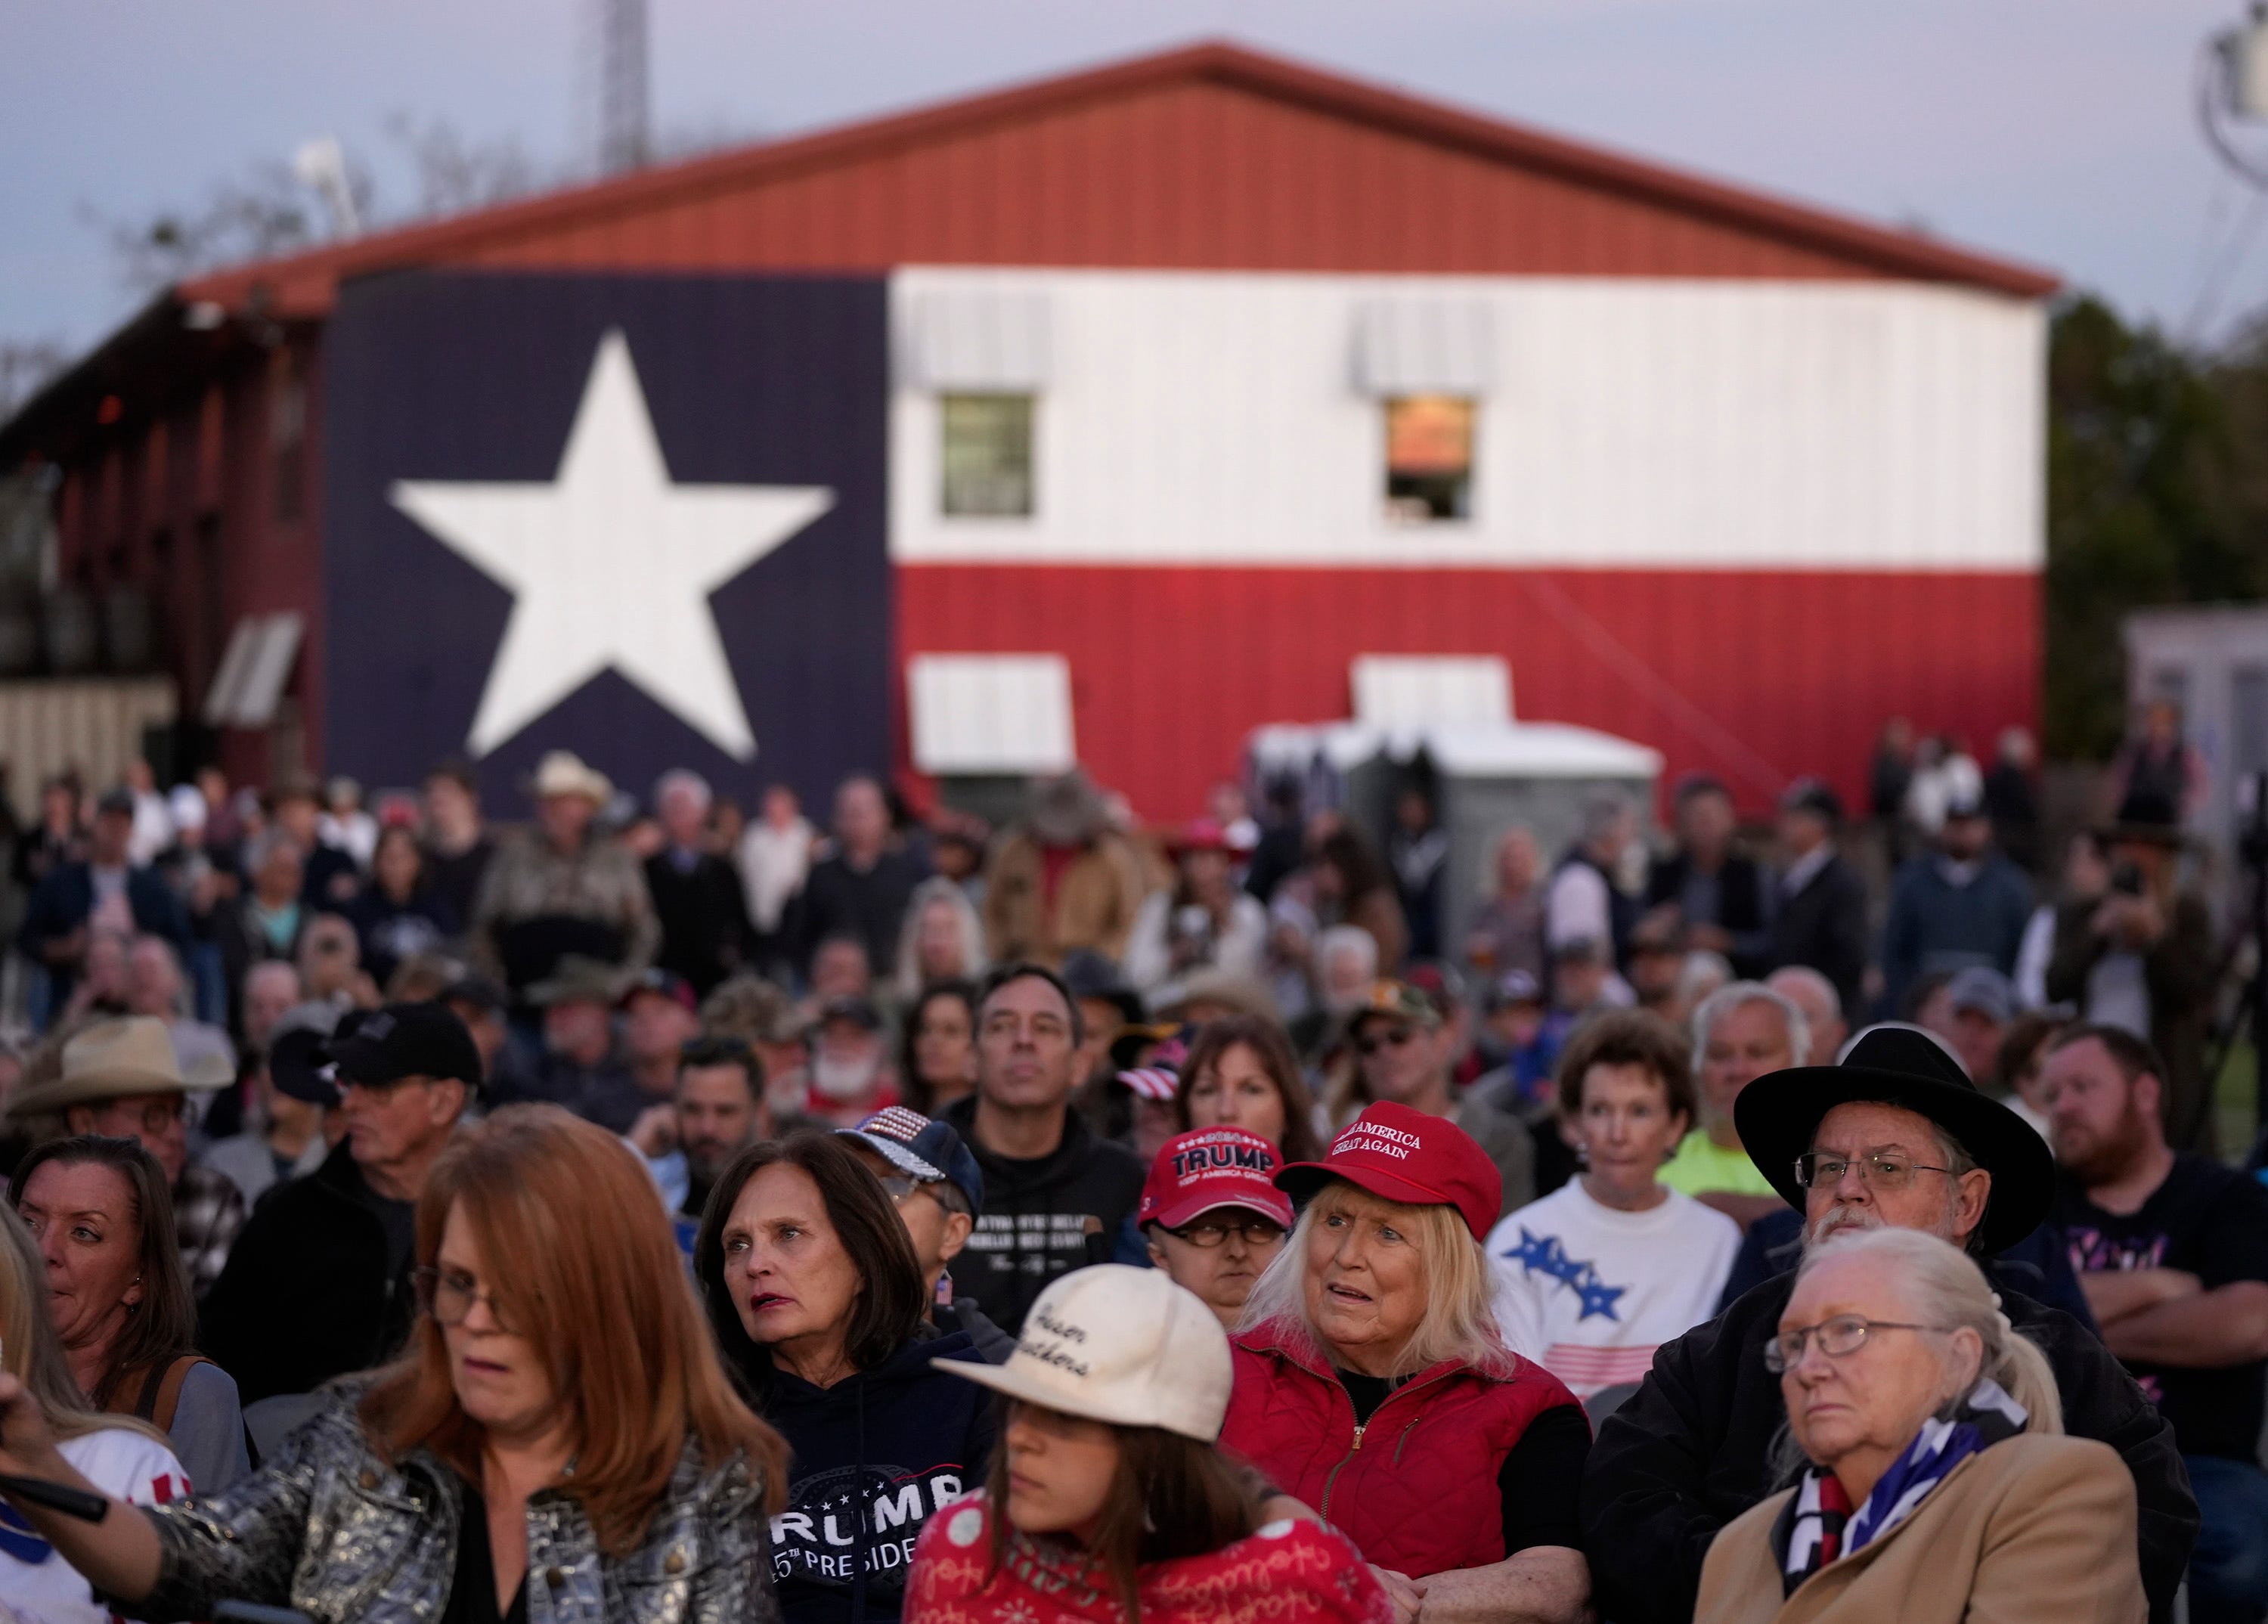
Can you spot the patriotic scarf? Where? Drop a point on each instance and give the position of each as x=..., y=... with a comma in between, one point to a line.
x=1291, y=1572
x=1821, y=1525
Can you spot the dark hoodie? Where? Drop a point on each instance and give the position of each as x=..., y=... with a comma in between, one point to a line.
x=1043, y=1217
x=875, y=1456
x=993, y=1345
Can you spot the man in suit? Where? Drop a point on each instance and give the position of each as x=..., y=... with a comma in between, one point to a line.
x=105, y=893
x=1819, y=920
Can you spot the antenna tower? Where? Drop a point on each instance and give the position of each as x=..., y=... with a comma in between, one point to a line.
x=623, y=143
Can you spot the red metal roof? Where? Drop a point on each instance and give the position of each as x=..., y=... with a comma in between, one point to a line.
x=1209, y=157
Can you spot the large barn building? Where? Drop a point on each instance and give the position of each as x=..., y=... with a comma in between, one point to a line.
x=1115, y=415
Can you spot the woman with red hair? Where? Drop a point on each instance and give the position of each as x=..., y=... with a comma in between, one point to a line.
x=558, y=1437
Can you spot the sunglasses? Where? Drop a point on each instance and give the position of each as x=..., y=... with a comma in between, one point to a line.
x=1395, y=1038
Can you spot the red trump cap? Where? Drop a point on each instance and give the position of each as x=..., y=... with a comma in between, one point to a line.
x=1206, y=1168
x=1412, y=1157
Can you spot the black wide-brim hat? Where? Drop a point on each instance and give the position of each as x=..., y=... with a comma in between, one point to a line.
x=1778, y=1114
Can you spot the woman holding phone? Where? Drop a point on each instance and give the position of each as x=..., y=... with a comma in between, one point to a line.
x=558, y=1441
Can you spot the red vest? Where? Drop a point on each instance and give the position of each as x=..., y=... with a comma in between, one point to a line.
x=1415, y=1487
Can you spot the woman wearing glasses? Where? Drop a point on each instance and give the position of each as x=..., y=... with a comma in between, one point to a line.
x=1936, y=1484
x=1213, y=1216
x=1895, y=1136
x=816, y=1294
x=558, y=1441
x=119, y=1299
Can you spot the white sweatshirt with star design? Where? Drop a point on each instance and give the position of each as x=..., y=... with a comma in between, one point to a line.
x=1589, y=1292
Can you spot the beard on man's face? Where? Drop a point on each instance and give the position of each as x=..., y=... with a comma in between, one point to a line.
x=705, y=1157
x=2094, y=1158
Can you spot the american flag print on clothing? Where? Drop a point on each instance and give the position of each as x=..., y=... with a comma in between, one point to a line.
x=1588, y=1291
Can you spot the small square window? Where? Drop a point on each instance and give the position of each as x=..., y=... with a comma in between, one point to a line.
x=1429, y=458
x=987, y=455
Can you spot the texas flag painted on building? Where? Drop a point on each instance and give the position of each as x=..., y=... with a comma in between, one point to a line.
x=1168, y=401
x=637, y=517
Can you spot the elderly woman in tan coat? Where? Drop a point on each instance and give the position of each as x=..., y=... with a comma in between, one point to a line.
x=1939, y=1485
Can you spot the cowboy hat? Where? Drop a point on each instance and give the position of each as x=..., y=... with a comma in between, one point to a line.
x=109, y=1060
x=1778, y=1114
x=562, y=772
x=575, y=978
x=1245, y=994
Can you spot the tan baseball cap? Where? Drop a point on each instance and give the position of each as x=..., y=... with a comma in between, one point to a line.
x=1121, y=1345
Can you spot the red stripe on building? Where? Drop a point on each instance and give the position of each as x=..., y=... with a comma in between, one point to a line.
x=1756, y=676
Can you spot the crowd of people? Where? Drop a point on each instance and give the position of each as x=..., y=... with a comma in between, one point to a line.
x=650, y=1213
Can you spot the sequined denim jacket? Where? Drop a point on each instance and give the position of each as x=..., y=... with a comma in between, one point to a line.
x=329, y=1527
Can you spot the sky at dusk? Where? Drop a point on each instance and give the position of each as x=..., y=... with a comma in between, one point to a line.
x=2059, y=132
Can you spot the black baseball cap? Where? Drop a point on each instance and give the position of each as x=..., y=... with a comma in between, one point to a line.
x=408, y=1040
x=298, y=1066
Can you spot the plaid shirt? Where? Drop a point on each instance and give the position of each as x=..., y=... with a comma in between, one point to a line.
x=207, y=1212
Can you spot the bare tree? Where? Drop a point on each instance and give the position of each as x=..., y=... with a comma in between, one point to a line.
x=267, y=212
x=25, y=366
x=453, y=172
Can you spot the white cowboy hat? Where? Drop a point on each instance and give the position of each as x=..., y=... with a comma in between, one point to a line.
x=562, y=772
x=1121, y=1345
x=110, y=1060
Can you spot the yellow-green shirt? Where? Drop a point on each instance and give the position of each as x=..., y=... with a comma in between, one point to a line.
x=1702, y=1164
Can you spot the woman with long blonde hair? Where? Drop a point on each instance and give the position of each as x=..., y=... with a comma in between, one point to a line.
x=558, y=1437
x=1375, y=1318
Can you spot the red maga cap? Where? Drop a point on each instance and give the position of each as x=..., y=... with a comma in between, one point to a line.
x=1206, y=1168
x=1408, y=1156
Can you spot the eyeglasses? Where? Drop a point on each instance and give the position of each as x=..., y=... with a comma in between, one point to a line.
x=1395, y=1037
x=1838, y=1338
x=1880, y=1171
x=1215, y=1232
x=156, y=1116
x=448, y=1296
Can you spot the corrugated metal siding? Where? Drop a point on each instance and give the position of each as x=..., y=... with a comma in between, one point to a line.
x=1189, y=175
x=1215, y=419
x=207, y=458
x=93, y=727
x=1756, y=676
x=1197, y=163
